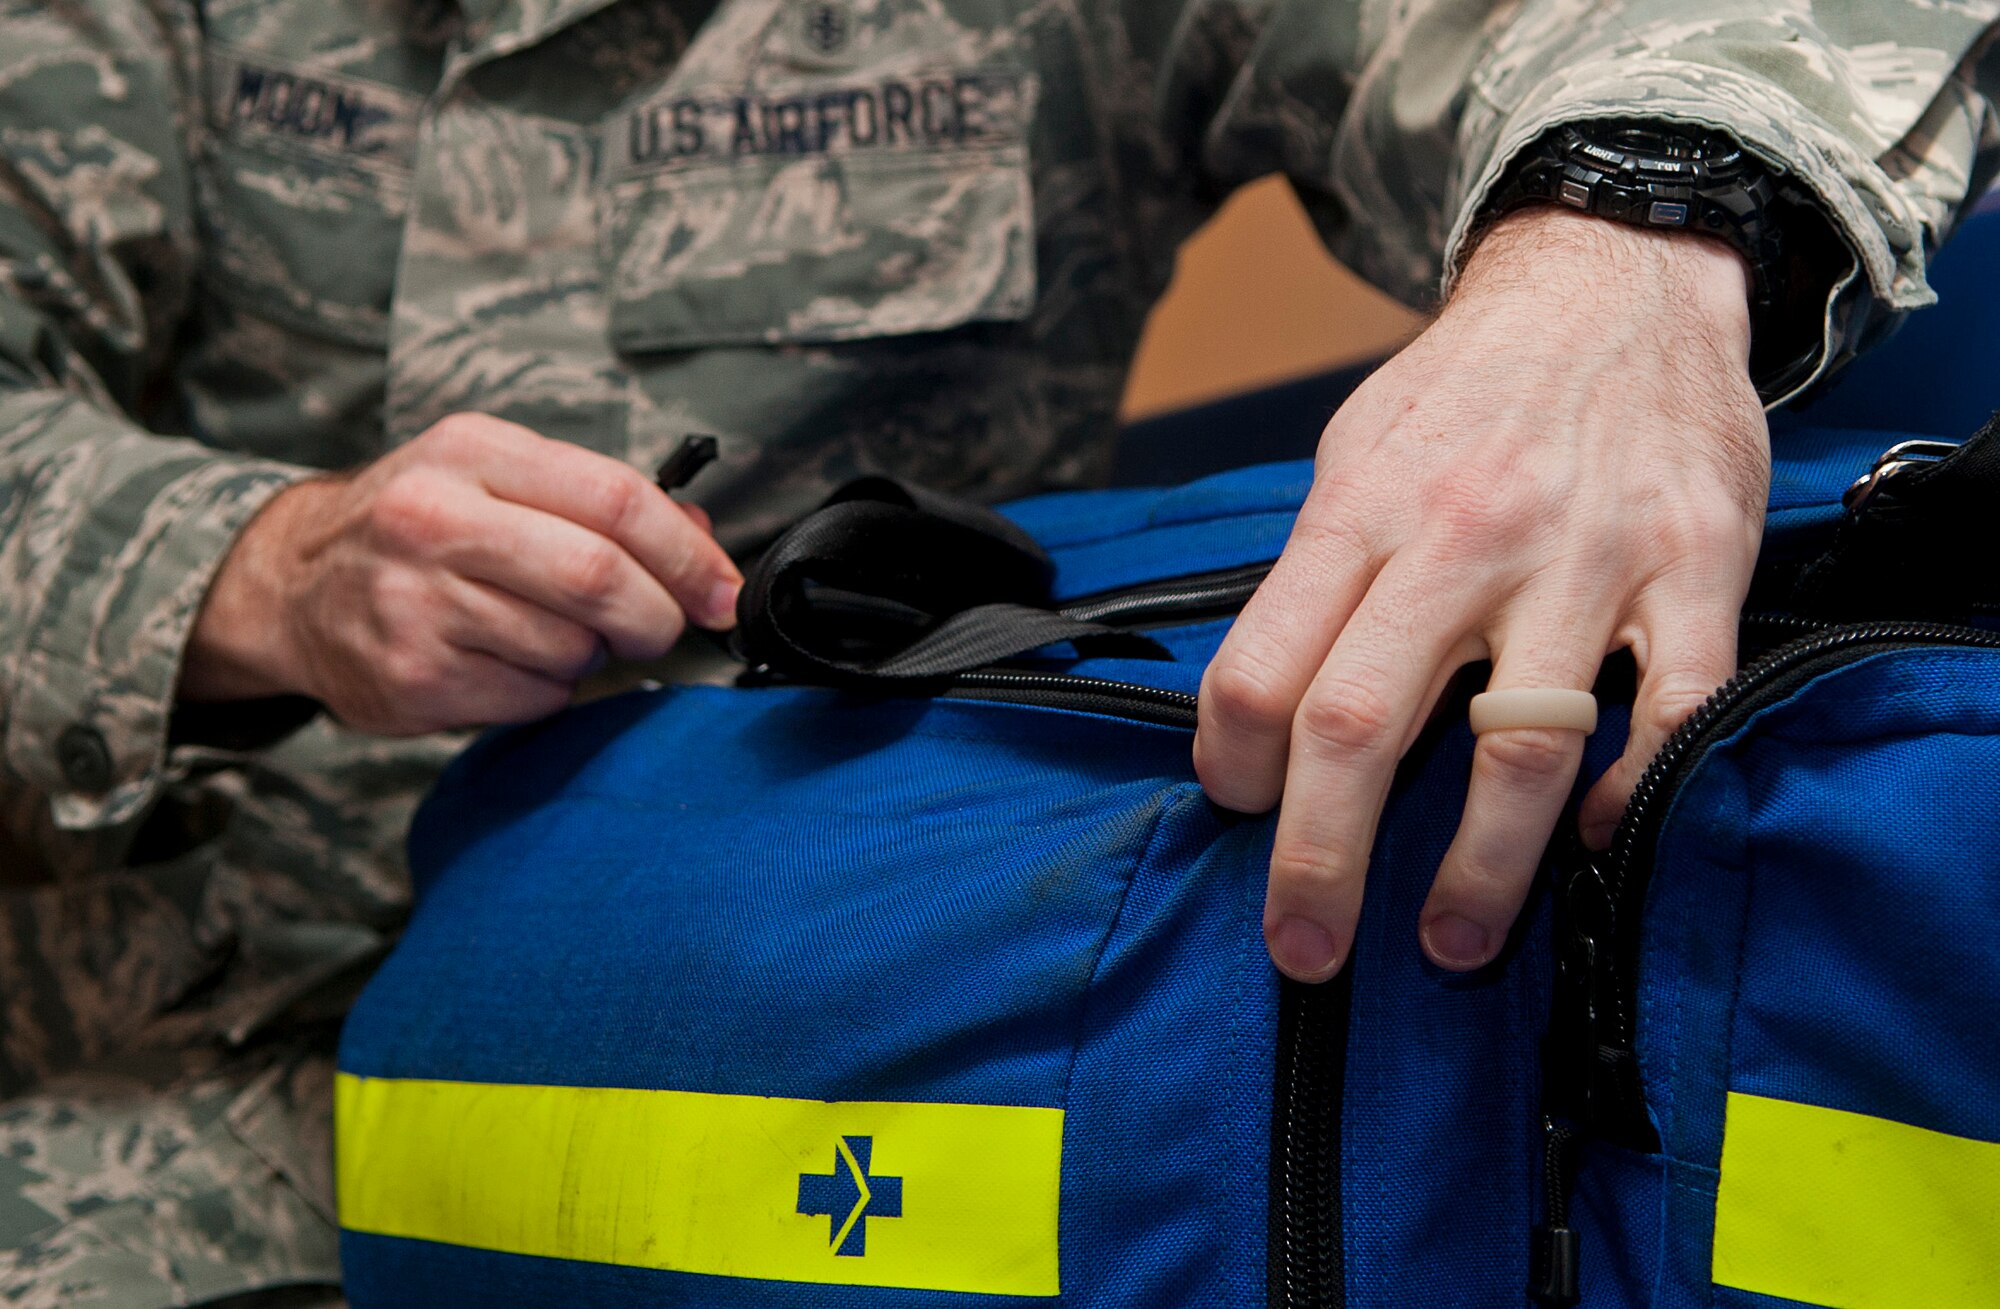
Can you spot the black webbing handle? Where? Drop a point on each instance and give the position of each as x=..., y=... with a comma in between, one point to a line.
x=1917, y=547
x=894, y=585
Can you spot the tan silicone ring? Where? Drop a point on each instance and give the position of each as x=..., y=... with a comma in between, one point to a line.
x=1534, y=706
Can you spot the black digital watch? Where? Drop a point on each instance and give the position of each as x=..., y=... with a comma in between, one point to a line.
x=1673, y=178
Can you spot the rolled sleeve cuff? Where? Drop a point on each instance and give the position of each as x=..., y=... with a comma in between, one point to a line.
x=137, y=527
x=1883, y=228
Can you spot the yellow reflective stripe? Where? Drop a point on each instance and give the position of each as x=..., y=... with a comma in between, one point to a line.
x=947, y=1197
x=1853, y=1212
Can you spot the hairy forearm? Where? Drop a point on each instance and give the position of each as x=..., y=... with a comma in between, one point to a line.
x=1559, y=260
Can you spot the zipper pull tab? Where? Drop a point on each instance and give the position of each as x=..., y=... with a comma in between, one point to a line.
x=1569, y=1050
x=1553, y=1253
x=694, y=453
x=1590, y=1073
x=1581, y=1067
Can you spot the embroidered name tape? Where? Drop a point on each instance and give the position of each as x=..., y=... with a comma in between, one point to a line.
x=252, y=95
x=946, y=111
x=944, y=1197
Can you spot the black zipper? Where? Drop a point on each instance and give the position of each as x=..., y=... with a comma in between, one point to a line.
x=1591, y=1083
x=1189, y=599
x=1304, y=1269
x=1091, y=695
x=1177, y=600
x=1304, y=1266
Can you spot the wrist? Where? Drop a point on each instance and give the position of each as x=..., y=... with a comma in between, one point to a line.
x=241, y=646
x=1562, y=259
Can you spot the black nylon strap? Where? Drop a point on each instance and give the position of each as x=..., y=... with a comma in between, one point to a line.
x=950, y=509
x=894, y=585
x=1917, y=547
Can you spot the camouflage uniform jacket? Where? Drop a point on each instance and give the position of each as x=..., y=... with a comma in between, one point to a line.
x=241, y=239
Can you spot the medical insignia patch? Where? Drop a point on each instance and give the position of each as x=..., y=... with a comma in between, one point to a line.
x=849, y=1197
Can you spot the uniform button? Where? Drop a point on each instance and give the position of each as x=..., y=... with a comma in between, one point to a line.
x=85, y=759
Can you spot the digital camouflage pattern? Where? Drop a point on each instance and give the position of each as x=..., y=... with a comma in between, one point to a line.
x=914, y=236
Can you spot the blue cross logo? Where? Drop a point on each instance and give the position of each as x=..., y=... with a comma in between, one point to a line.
x=848, y=1197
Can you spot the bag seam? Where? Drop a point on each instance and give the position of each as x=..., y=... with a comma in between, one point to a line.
x=1086, y=1003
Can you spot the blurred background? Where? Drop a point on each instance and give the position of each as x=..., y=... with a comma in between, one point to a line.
x=1256, y=301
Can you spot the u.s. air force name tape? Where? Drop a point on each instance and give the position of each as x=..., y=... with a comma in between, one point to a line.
x=947, y=1197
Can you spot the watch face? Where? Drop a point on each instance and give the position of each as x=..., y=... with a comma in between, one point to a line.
x=1655, y=142
x=1657, y=151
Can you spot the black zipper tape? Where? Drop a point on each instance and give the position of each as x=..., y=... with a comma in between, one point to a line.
x=1627, y=867
x=1591, y=1086
x=1091, y=695
x=1305, y=1267
x=1189, y=599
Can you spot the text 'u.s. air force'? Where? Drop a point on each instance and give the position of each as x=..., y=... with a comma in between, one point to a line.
x=942, y=112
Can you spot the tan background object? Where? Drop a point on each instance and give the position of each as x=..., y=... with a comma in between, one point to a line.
x=1256, y=300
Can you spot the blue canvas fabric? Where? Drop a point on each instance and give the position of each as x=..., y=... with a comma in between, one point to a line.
x=803, y=892
x=1820, y=930
x=806, y=893
x=798, y=892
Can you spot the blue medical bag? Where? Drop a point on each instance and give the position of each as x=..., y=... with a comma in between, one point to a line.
x=918, y=972
x=883, y=983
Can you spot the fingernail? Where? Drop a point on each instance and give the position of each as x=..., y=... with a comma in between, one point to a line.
x=1597, y=836
x=1457, y=942
x=721, y=609
x=1303, y=949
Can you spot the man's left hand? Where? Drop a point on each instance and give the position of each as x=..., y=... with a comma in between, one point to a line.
x=1570, y=460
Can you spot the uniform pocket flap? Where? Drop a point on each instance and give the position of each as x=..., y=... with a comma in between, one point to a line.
x=865, y=208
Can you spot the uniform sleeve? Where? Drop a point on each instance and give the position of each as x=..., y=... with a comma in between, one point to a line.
x=1396, y=120
x=108, y=534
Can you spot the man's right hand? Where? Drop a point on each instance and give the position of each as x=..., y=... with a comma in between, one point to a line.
x=470, y=577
